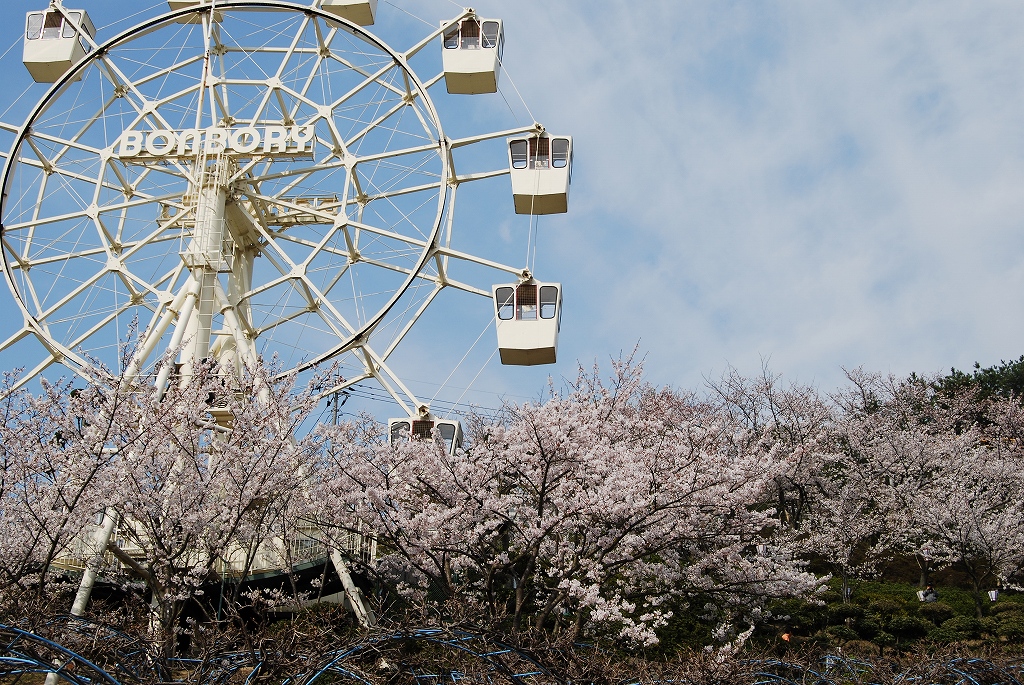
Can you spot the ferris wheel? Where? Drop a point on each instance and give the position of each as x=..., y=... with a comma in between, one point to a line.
x=243, y=179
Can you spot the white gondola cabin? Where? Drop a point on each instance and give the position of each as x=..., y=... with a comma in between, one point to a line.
x=540, y=166
x=52, y=43
x=192, y=18
x=360, y=12
x=449, y=432
x=528, y=316
x=472, y=55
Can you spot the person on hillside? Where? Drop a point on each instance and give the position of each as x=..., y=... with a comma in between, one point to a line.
x=930, y=595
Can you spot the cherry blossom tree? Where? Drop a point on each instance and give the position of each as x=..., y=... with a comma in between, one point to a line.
x=796, y=420
x=208, y=470
x=216, y=473
x=587, y=512
x=57, y=449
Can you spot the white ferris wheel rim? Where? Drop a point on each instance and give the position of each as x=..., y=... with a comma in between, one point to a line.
x=65, y=350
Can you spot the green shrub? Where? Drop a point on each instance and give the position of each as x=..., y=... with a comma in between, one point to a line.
x=945, y=636
x=936, y=612
x=861, y=648
x=886, y=606
x=803, y=617
x=841, y=633
x=1010, y=624
x=1004, y=607
x=908, y=627
x=969, y=626
x=840, y=612
x=868, y=627
x=884, y=639
x=823, y=640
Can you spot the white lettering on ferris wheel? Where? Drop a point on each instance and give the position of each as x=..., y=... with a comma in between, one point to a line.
x=248, y=140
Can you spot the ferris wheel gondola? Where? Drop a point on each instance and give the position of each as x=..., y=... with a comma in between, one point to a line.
x=472, y=55
x=540, y=166
x=361, y=12
x=528, y=316
x=55, y=40
x=426, y=426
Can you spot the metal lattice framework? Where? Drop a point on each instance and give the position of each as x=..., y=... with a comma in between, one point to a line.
x=319, y=227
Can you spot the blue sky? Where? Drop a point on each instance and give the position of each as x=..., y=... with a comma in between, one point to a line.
x=816, y=184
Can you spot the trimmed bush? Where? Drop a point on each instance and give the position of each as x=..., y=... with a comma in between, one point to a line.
x=1010, y=624
x=945, y=636
x=867, y=627
x=840, y=612
x=886, y=606
x=884, y=639
x=841, y=633
x=969, y=626
x=1004, y=607
x=908, y=627
x=936, y=612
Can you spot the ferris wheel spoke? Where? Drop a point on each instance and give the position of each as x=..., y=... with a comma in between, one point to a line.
x=342, y=330
x=384, y=233
x=435, y=34
x=375, y=124
x=18, y=336
x=481, y=176
x=368, y=80
x=308, y=171
x=60, y=172
x=336, y=278
x=426, y=187
x=325, y=303
x=67, y=143
x=86, y=213
x=81, y=288
x=274, y=82
x=317, y=248
x=100, y=325
x=43, y=261
x=395, y=185
x=259, y=332
x=70, y=143
x=391, y=154
x=174, y=97
x=386, y=377
x=129, y=249
x=305, y=171
x=362, y=72
x=466, y=257
x=318, y=61
x=177, y=67
x=145, y=108
x=137, y=286
x=250, y=295
x=406, y=216
x=427, y=301
x=385, y=265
